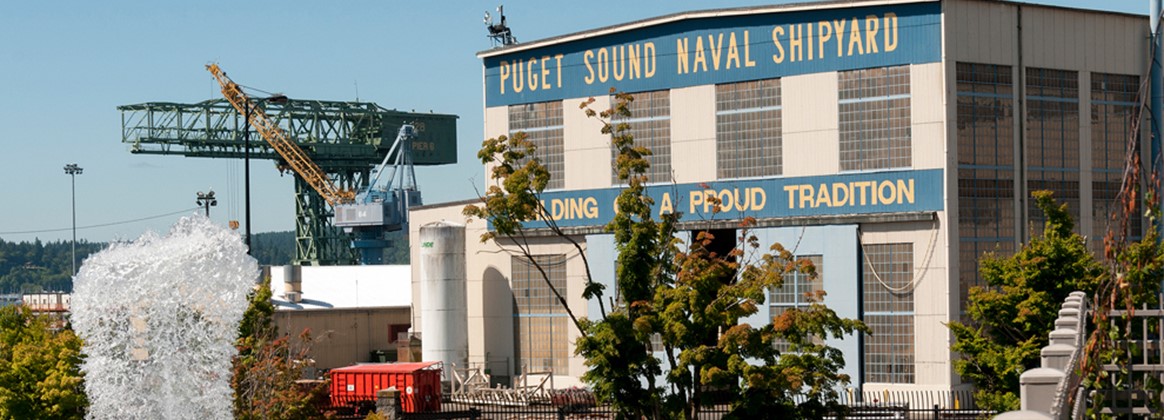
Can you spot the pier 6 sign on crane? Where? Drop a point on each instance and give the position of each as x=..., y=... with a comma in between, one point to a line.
x=721, y=49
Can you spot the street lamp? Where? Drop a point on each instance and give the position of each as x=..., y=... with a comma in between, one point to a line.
x=279, y=99
x=206, y=200
x=72, y=170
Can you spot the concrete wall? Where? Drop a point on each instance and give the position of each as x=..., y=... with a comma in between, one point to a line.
x=343, y=337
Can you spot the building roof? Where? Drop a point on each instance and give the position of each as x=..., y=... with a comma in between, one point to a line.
x=346, y=287
x=736, y=11
x=695, y=14
x=386, y=367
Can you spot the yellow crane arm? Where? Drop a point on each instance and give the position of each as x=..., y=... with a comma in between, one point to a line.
x=291, y=152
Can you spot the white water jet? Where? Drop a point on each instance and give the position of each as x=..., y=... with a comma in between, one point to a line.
x=159, y=317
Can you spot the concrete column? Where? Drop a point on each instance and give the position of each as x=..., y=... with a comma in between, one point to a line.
x=388, y=403
x=1056, y=356
x=1037, y=388
x=1063, y=336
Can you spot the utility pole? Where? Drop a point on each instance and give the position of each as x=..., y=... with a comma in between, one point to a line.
x=72, y=170
x=206, y=200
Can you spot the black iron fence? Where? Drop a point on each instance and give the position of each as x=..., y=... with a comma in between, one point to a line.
x=857, y=405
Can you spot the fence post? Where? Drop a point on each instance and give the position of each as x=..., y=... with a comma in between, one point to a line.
x=388, y=403
x=937, y=414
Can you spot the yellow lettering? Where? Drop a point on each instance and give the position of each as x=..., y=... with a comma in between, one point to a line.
x=759, y=199
x=700, y=58
x=822, y=196
x=825, y=33
x=618, y=61
x=855, y=39
x=806, y=196
x=533, y=78
x=681, y=55
x=708, y=205
x=863, y=186
x=840, y=194
x=696, y=198
x=665, y=206
x=795, y=43
x=791, y=190
x=649, y=65
x=603, y=65
x=557, y=210
x=733, y=52
x=778, y=58
x=839, y=26
x=748, y=52
x=716, y=49
x=808, y=40
x=635, y=69
x=504, y=75
x=518, y=77
x=545, y=72
x=890, y=22
x=905, y=191
x=871, y=27
x=725, y=200
x=586, y=57
x=886, y=198
x=558, y=59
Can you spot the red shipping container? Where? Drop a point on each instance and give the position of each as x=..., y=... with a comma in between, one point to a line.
x=419, y=384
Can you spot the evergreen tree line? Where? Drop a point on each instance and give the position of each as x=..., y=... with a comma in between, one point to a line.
x=37, y=266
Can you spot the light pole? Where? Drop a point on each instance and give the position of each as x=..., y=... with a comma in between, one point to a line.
x=279, y=99
x=206, y=200
x=72, y=170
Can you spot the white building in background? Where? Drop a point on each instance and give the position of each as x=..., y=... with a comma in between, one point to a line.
x=891, y=142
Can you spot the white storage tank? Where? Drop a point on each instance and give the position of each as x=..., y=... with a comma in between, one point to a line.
x=443, y=317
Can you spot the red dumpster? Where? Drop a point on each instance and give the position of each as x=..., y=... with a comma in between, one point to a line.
x=419, y=384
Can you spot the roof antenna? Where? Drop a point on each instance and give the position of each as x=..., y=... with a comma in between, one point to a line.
x=499, y=33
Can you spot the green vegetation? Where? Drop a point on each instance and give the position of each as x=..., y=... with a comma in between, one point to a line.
x=268, y=365
x=40, y=375
x=692, y=296
x=32, y=267
x=1011, y=318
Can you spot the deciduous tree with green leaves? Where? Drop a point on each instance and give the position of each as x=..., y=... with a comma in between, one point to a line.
x=1010, y=318
x=40, y=374
x=267, y=367
x=693, y=295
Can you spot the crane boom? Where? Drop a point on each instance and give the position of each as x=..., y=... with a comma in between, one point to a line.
x=296, y=158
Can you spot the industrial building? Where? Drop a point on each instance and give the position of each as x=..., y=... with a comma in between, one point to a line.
x=354, y=314
x=892, y=142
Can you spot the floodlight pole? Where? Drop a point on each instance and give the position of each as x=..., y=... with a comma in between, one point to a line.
x=72, y=170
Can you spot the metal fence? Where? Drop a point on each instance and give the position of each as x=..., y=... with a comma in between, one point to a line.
x=857, y=405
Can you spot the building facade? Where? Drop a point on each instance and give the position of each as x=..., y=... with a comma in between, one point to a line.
x=891, y=142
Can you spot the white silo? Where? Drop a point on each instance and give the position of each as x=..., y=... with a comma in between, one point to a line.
x=443, y=316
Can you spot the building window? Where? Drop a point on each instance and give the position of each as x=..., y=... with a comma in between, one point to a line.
x=887, y=308
x=874, y=121
x=986, y=166
x=541, y=321
x=791, y=294
x=1113, y=114
x=747, y=129
x=542, y=124
x=1052, y=144
x=650, y=124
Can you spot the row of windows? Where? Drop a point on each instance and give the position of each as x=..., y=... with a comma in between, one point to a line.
x=541, y=325
x=987, y=168
x=874, y=121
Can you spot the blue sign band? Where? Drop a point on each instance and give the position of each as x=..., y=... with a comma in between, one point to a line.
x=704, y=51
x=856, y=193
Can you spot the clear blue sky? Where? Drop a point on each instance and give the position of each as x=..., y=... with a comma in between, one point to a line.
x=66, y=66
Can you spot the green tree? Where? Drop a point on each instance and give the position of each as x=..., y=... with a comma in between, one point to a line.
x=40, y=375
x=267, y=367
x=693, y=295
x=1010, y=318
